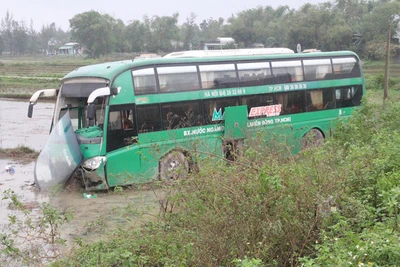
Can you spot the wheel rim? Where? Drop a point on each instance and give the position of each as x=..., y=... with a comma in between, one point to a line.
x=313, y=138
x=174, y=166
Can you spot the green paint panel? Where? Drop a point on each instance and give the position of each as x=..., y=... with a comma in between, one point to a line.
x=123, y=166
x=235, y=122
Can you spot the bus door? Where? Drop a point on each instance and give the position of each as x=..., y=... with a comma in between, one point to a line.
x=123, y=157
x=235, y=119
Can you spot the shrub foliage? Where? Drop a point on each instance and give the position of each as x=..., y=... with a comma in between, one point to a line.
x=333, y=205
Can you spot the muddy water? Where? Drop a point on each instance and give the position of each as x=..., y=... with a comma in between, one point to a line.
x=17, y=129
x=91, y=217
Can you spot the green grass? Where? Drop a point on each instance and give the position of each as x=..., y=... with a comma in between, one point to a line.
x=378, y=67
x=336, y=205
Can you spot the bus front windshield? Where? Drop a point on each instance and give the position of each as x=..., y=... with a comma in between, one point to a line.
x=78, y=112
x=73, y=98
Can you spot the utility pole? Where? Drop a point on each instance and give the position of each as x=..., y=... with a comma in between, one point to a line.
x=386, y=82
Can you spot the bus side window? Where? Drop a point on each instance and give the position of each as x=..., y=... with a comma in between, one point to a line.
x=127, y=120
x=178, y=78
x=121, y=127
x=320, y=99
x=287, y=71
x=114, y=120
x=181, y=115
x=144, y=81
x=293, y=102
x=254, y=73
x=257, y=101
x=348, y=96
x=346, y=67
x=317, y=69
x=218, y=76
x=149, y=118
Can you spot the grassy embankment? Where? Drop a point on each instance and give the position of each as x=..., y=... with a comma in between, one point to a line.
x=337, y=205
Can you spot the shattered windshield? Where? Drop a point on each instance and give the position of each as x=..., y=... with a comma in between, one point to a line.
x=60, y=156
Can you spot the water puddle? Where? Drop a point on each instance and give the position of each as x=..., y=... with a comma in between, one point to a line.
x=92, y=217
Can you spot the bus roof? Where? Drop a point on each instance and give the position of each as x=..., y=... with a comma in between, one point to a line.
x=110, y=70
x=229, y=52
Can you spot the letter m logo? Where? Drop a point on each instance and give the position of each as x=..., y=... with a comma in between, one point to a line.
x=217, y=115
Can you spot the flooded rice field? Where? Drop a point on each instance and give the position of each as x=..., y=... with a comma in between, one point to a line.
x=92, y=217
x=17, y=129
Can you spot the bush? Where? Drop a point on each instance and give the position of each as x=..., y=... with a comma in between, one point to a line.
x=377, y=50
x=335, y=205
x=377, y=82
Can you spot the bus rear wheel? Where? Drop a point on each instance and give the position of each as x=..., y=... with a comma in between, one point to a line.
x=174, y=166
x=312, y=138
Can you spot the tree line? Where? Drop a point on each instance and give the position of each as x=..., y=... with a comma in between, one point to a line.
x=357, y=25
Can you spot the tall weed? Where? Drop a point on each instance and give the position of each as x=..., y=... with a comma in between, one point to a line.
x=335, y=205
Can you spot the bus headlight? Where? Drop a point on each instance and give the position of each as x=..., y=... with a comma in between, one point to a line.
x=93, y=163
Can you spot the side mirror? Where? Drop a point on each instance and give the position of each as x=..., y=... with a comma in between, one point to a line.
x=91, y=113
x=114, y=90
x=30, y=110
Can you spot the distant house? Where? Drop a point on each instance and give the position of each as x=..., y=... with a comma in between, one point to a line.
x=69, y=49
x=220, y=43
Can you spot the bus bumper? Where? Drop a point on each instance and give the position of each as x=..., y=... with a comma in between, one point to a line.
x=93, y=180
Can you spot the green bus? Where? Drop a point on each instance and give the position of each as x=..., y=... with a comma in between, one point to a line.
x=134, y=121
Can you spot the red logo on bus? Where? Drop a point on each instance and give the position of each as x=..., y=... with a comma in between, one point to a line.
x=268, y=111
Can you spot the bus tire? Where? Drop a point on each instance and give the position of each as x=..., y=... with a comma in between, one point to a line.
x=173, y=166
x=312, y=138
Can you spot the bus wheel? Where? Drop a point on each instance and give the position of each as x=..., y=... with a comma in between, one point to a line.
x=312, y=138
x=174, y=166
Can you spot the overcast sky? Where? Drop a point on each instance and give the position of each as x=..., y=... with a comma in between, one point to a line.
x=44, y=12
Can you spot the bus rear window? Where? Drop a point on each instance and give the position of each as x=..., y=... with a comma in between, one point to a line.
x=144, y=81
x=348, y=96
x=346, y=67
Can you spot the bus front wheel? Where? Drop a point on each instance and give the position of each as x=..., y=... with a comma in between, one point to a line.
x=312, y=138
x=174, y=166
